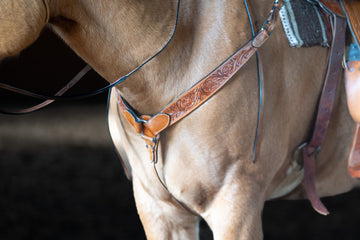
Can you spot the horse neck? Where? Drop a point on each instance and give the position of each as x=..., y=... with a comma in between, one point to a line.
x=123, y=35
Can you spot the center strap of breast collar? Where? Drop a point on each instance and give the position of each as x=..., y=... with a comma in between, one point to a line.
x=149, y=127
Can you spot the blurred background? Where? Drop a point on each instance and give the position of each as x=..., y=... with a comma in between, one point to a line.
x=61, y=179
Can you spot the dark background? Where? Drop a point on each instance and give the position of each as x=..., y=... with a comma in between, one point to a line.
x=60, y=178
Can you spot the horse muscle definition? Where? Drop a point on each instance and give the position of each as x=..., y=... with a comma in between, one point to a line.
x=206, y=158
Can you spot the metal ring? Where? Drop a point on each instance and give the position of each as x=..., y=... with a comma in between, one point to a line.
x=296, y=154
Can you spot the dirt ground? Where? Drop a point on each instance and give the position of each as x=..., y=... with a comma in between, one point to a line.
x=60, y=179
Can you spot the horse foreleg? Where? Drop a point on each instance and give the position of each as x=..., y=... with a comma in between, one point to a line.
x=236, y=213
x=162, y=218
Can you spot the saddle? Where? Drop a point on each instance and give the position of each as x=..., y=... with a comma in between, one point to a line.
x=350, y=9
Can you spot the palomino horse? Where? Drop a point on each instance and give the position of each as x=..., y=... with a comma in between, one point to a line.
x=204, y=160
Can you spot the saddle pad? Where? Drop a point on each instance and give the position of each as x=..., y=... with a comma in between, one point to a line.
x=305, y=24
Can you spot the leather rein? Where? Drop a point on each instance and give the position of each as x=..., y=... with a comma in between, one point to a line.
x=48, y=99
x=47, y=9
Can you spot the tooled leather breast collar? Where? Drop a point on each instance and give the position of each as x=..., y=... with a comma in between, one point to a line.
x=150, y=127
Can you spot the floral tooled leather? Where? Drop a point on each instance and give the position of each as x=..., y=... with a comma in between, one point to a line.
x=207, y=87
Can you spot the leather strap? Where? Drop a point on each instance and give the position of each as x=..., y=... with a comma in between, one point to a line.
x=333, y=6
x=324, y=112
x=211, y=84
x=258, y=134
x=47, y=8
x=45, y=103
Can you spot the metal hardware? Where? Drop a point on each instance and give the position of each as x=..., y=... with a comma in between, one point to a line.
x=298, y=157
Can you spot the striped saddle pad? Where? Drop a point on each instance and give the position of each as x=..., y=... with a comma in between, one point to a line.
x=305, y=23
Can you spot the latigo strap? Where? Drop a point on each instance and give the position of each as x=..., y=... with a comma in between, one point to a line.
x=326, y=105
